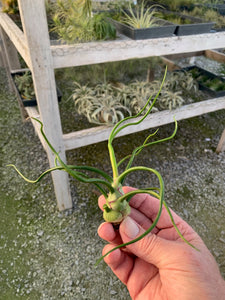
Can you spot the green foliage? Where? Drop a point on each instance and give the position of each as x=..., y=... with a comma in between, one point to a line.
x=139, y=17
x=102, y=29
x=10, y=6
x=175, y=18
x=176, y=5
x=222, y=70
x=208, y=14
x=73, y=22
x=25, y=85
x=215, y=84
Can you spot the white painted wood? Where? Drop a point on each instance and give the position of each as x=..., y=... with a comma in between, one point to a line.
x=215, y=55
x=96, y=134
x=10, y=52
x=33, y=113
x=23, y=112
x=33, y=16
x=221, y=145
x=9, y=56
x=184, y=55
x=125, y=48
x=1, y=53
x=15, y=35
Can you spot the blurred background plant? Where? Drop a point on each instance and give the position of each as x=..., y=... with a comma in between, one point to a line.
x=208, y=14
x=73, y=22
x=10, y=6
x=25, y=85
x=140, y=16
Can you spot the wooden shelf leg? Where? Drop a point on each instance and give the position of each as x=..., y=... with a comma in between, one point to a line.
x=221, y=144
x=10, y=61
x=9, y=56
x=39, y=52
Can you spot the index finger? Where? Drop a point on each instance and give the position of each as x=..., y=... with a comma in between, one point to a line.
x=149, y=206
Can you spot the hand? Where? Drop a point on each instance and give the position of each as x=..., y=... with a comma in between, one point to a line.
x=161, y=265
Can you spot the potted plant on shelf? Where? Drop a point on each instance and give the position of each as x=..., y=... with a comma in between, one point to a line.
x=209, y=15
x=74, y=22
x=140, y=23
x=186, y=24
x=175, y=5
x=214, y=85
x=24, y=84
x=217, y=5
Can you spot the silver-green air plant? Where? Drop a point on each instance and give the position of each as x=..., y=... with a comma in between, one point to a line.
x=117, y=207
x=141, y=18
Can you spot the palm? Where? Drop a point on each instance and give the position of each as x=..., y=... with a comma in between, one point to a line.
x=145, y=281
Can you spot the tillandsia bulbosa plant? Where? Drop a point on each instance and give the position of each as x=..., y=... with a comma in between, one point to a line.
x=117, y=205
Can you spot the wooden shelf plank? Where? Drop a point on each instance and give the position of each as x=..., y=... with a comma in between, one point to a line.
x=101, y=133
x=125, y=48
x=16, y=36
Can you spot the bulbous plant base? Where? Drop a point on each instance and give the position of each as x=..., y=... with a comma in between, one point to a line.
x=116, y=216
x=116, y=210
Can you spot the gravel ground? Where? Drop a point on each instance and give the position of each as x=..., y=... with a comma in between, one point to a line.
x=46, y=254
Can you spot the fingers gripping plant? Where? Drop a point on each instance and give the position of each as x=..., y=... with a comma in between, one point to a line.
x=117, y=206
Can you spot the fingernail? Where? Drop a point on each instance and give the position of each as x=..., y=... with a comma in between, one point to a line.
x=130, y=227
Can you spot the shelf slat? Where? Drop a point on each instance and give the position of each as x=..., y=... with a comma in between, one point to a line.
x=101, y=133
x=125, y=48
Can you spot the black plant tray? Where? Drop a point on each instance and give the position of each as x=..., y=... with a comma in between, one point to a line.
x=220, y=8
x=164, y=29
x=202, y=86
x=196, y=26
x=181, y=7
x=33, y=101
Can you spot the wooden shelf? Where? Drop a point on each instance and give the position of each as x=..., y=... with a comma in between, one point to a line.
x=43, y=56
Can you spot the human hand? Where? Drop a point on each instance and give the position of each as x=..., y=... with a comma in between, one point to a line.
x=161, y=266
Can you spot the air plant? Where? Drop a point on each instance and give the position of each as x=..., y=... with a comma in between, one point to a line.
x=99, y=105
x=141, y=18
x=171, y=100
x=141, y=92
x=181, y=80
x=25, y=85
x=105, y=110
x=117, y=206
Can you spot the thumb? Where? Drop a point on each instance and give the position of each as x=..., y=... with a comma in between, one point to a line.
x=150, y=248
